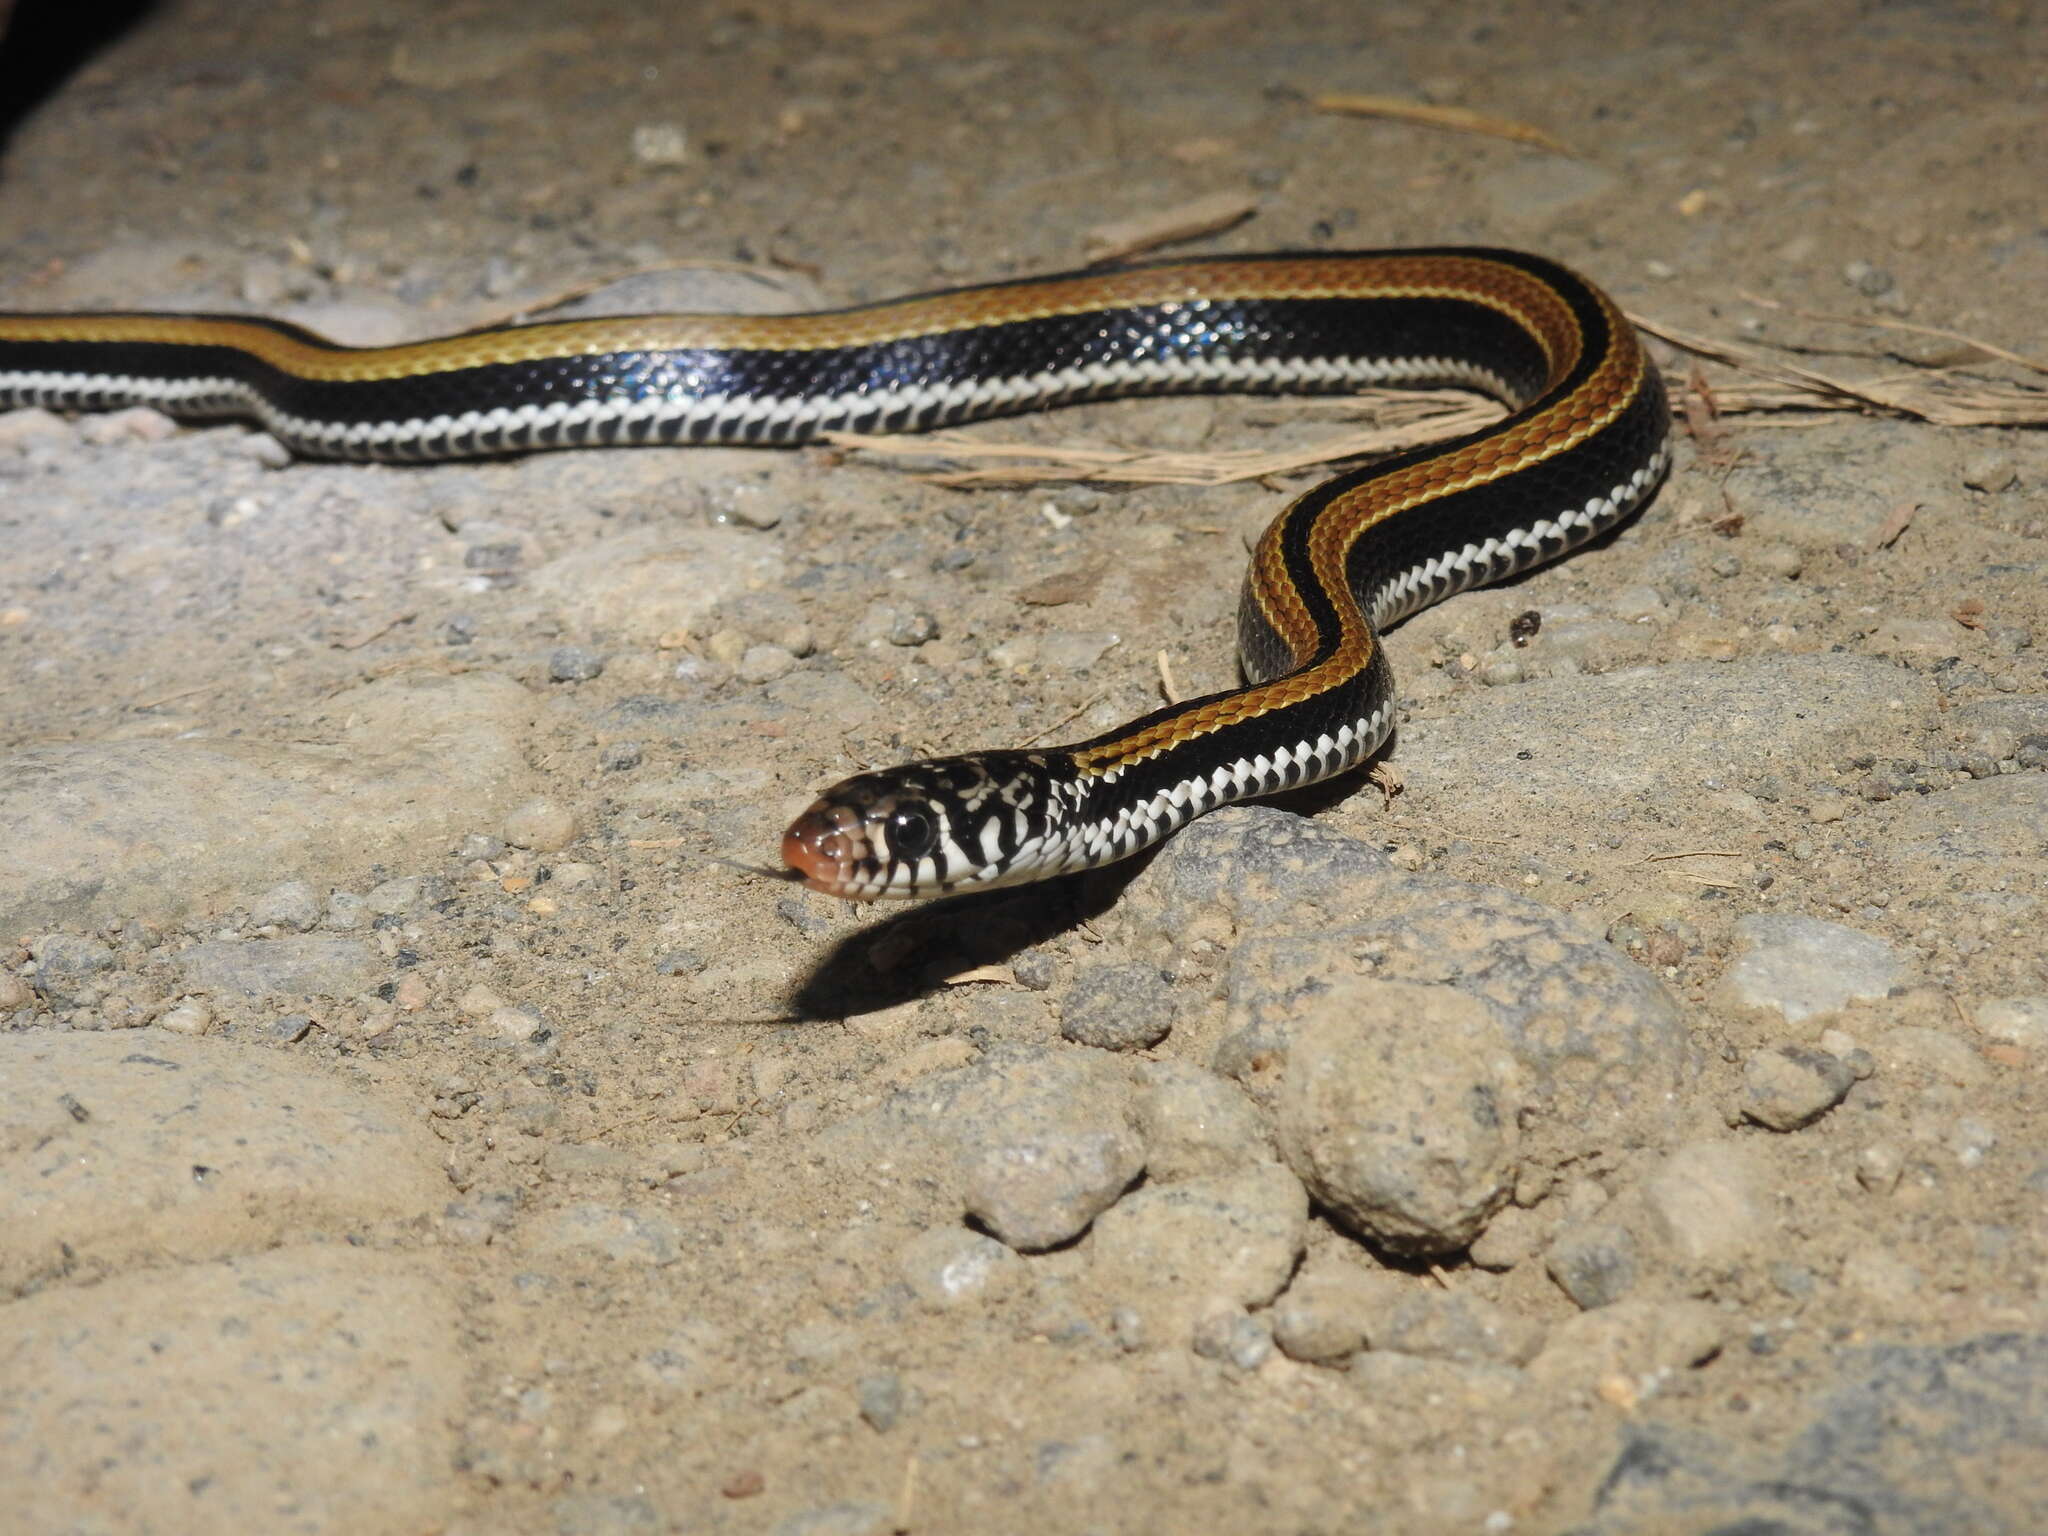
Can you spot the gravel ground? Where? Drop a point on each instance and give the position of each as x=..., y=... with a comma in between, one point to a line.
x=1634, y=1125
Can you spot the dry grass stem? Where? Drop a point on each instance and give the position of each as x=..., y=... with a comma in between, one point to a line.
x=1454, y=119
x=1147, y=231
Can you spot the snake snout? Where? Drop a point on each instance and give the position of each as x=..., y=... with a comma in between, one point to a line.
x=820, y=846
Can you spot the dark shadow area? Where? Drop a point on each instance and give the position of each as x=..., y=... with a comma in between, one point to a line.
x=911, y=952
x=45, y=42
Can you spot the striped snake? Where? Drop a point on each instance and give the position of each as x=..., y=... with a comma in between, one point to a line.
x=1584, y=444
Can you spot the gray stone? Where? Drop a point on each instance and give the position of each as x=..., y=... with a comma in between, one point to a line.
x=292, y=965
x=574, y=664
x=881, y=1400
x=1800, y=967
x=67, y=968
x=1595, y=1264
x=1593, y=1036
x=1117, y=1007
x=1788, y=1086
x=1043, y=1141
x=294, y=905
x=1919, y=1440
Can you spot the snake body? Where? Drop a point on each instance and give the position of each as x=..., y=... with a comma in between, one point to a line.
x=1585, y=442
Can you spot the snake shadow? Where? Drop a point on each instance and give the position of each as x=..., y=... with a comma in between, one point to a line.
x=46, y=42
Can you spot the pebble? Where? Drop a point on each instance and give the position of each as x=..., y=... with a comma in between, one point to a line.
x=1044, y=1141
x=292, y=905
x=14, y=992
x=345, y=912
x=1329, y=1307
x=390, y=898
x=1879, y=1166
x=1782, y=560
x=1243, y=1340
x=620, y=756
x=1595, y=1264
x=2021, y=1021
x=1706, y=1201
x=881, y=1400
x=1195, y=1122
x=544, y=825
x=516, y=1025
x=67, y=968
x=680, y=962
x=1453, y=1325
x=1972, y=1140
x=479, y=1001
x=1789, y=1086
x=1117, y=1007
x=764, y=664
x=950, y=1266
x=1400, y=1109
x=1990, y=472
x=1628, y=1350
x=1801, y=967
x=574, y=664
x=188, y=1017
x=1512, y=1237
x=1179, y=1254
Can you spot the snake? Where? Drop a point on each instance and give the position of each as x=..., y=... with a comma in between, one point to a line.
x=1583, y=444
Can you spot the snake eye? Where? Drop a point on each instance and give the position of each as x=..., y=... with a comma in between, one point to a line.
x=911, y=834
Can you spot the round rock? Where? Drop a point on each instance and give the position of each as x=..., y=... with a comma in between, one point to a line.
x=1399, y=1110
x=1117, y=1008
x=540, y=824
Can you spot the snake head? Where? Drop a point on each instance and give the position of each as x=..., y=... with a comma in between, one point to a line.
x=926, y=829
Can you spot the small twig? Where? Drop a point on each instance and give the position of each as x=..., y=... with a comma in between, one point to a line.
x=1064, y=720
x=166, y=698
x=2032, y=364
x=1168, y=688
x=1695, y=853
x=362, y=638
x=1455, y=119
x=1145, y=232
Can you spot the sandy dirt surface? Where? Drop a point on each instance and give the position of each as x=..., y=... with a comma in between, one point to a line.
x=1634, y=1125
